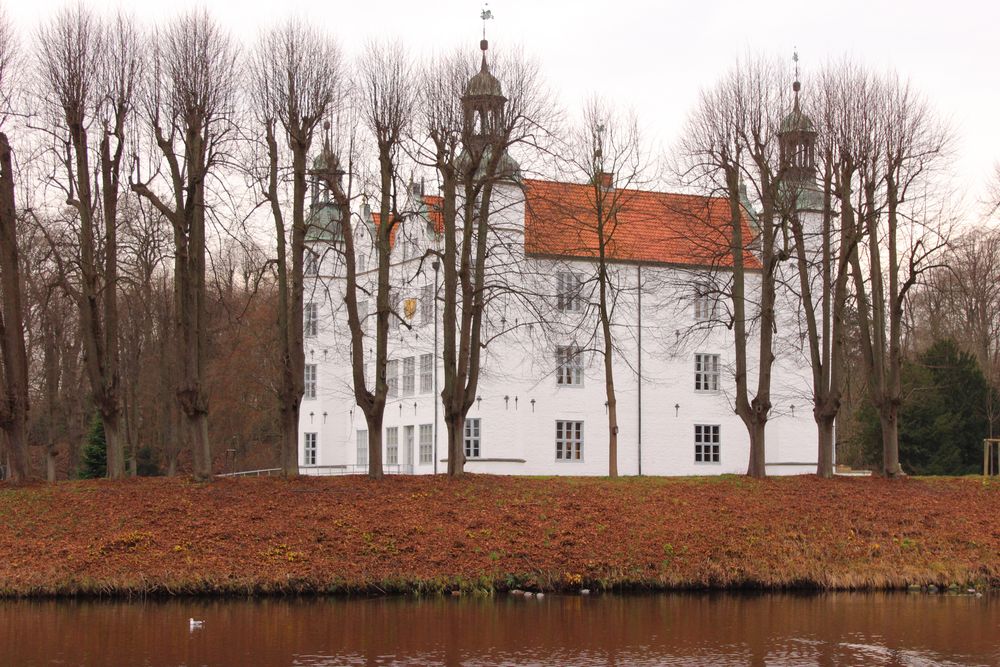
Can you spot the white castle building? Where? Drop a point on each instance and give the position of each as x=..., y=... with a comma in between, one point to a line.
x=541, y=403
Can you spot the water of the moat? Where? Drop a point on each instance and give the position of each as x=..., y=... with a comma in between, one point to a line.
x=668, y=629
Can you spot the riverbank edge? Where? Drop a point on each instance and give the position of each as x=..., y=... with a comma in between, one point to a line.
x=460, y=586
x=357, y=537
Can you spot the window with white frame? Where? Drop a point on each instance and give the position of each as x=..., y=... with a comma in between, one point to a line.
x=568, y=292
x=426, y=443
x=409, y=375
x=473, y=437
x=392, y=445
x=392, y=377
x=704, y=302
x=311, y=263
x=569, y=371
x=309, y=384
x=361, y=440
x=310, y=319
x=310, y=450
x=569, y=440
x=706, y=443
x=427, y=304
x=395, y=310
x=426, y=373
x=408, y=443
x=706, y=372
x=363, y=317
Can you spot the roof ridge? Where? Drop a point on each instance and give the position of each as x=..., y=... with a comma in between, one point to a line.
x=636, y=190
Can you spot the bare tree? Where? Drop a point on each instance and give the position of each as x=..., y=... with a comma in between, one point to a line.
x=606, y=150
x=822, y=252
x=732, y=140
x=471, y=124
x=960, y=300
x=296, y=72
x=385, y=100
x=91, y=70
x=13, y=355
x=189, y=102
x=903, y=233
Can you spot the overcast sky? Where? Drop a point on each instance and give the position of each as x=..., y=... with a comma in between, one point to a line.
x=656, y=56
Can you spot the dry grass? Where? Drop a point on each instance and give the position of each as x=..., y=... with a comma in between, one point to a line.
x=423, y=534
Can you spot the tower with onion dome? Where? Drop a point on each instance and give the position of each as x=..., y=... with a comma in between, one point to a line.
x=797, y=154
x=484, y=127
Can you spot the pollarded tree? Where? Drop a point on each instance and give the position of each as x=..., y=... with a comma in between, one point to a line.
x=731, y=142
x=822, y=253
x=90, y=70
x=903, y=226
x=471, y=124
x=189, y=101
x=383, y=103
x=296, y=77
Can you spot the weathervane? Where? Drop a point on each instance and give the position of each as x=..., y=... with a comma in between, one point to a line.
x=796, y=85
x=485, y=15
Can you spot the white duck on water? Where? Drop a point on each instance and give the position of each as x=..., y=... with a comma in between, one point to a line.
x=195, y=625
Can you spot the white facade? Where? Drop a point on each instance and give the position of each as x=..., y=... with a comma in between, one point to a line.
x=533, y=415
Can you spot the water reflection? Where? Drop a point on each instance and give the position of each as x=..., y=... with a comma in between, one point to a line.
x=678, y=629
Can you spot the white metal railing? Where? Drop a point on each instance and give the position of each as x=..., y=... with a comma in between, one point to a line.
x=323, y=471
x=355, y=469
x=263, y=472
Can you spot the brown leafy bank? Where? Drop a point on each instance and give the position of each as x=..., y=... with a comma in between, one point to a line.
x=422, y=534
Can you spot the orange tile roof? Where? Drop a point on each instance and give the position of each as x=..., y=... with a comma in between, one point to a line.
x=654, y=227
x=434, y=212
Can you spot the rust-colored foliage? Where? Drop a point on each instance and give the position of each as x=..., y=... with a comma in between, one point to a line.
x=432, y=533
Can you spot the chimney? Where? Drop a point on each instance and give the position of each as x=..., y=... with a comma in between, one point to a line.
x=606, y=180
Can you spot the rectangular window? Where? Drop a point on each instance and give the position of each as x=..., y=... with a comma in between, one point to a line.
x=570, y=365
x=394, y=312
x=311, y=263
x=408, y=437
x=363, y=317
x=568, y=292
x=569, y=440
x=310, y=450
x=362, y=443
x=706, y=443
x=309, y=389
x=473, y=437
x=362, y=264
x=706, y=372
x=392, y=445
x=409, y=376
x=392, y=377
x=426, y=443
x=427, y=304
x=310, y=319
x=426, y=373
x=704, y=302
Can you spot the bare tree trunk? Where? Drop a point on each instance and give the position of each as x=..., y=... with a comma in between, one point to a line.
x=14, y=383
x=609, y=373
x=374, y=422
x=824, y=465
x=455, y=424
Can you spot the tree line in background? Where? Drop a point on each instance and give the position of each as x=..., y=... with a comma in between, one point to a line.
x=149, y=313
